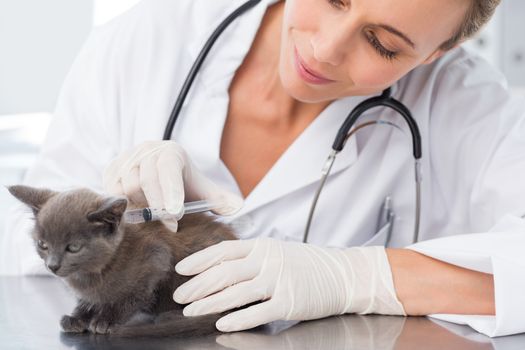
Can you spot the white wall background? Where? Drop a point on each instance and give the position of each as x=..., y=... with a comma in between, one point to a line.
x=502, y=42
x=38, y=41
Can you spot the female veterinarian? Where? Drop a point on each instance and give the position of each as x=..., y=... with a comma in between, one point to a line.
x=256, y=128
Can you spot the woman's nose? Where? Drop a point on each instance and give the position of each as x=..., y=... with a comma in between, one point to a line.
x=326, y=52
x=329, y=47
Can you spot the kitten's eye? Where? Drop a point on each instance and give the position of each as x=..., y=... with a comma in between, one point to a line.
x=42, y=245
x=73, y=248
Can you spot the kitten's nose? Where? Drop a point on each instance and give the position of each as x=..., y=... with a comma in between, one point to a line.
x=53, y=267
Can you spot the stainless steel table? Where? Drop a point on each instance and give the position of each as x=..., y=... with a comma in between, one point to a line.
x=31, y=307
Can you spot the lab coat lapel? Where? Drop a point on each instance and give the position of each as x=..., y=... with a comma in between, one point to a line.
x=300, y=165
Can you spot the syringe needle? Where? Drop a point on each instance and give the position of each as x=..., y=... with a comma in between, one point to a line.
x=137, y=216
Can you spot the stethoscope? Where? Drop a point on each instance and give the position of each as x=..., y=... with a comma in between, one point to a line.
x=345, y=131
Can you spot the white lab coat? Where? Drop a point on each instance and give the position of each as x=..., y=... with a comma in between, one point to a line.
x=120, y=91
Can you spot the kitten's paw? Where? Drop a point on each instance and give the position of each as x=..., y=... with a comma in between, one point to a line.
x=71, y=324
x=99, y=326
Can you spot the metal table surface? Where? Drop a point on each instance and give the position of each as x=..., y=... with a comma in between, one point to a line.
x=31, y=307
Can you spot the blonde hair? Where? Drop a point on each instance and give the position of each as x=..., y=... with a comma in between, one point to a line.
x=477, y=16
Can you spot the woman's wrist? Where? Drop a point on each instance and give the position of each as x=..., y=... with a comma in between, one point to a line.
x=428, y=286
x=369, y=276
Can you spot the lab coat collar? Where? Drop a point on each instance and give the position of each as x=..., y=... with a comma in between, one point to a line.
x=301, y=164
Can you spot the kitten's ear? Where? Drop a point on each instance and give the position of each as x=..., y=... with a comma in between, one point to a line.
x=110, y=212
x=33, y=197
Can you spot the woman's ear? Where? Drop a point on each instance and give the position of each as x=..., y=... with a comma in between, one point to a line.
x=110, y=212
x=33, y=197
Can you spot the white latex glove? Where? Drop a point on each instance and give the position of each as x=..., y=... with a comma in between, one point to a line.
x=160, y=174
x=297, y=281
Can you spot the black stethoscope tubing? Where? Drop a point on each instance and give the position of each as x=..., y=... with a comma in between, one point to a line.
x=384, y=100
x=198, y=63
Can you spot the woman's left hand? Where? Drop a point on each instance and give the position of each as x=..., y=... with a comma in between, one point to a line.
x=294, y=281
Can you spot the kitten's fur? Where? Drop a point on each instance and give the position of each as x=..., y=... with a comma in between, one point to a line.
x=124, y=274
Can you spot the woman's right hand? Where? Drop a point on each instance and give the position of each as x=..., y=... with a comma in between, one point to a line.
x=159, y=174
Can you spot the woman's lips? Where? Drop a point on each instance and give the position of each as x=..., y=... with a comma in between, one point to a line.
x=307, y=74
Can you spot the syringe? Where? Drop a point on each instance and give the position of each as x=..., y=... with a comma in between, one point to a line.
x=138, y=216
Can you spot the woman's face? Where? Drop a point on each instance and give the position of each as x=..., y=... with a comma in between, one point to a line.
x=336, y=48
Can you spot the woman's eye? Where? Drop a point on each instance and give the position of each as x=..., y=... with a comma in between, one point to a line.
x=376, y=44
x=42, y=245
x=73, y=248
x=337, y=3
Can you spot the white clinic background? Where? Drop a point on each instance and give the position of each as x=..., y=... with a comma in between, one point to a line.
x=40, y=38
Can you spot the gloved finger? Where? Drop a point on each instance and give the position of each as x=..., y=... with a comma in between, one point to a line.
x=132, y=189
x=250, y=317
x=200, y=187
x=114, y=188
x=119, y=189
x=171, y=224
x=213, y=255
x=169, y=167
x=112, y=173
x=235, y=296
x=232, y=203
x=149, y=182
x=213, y=280
x=111, y=180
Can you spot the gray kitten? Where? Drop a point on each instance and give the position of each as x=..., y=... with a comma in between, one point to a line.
x=123, y=274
